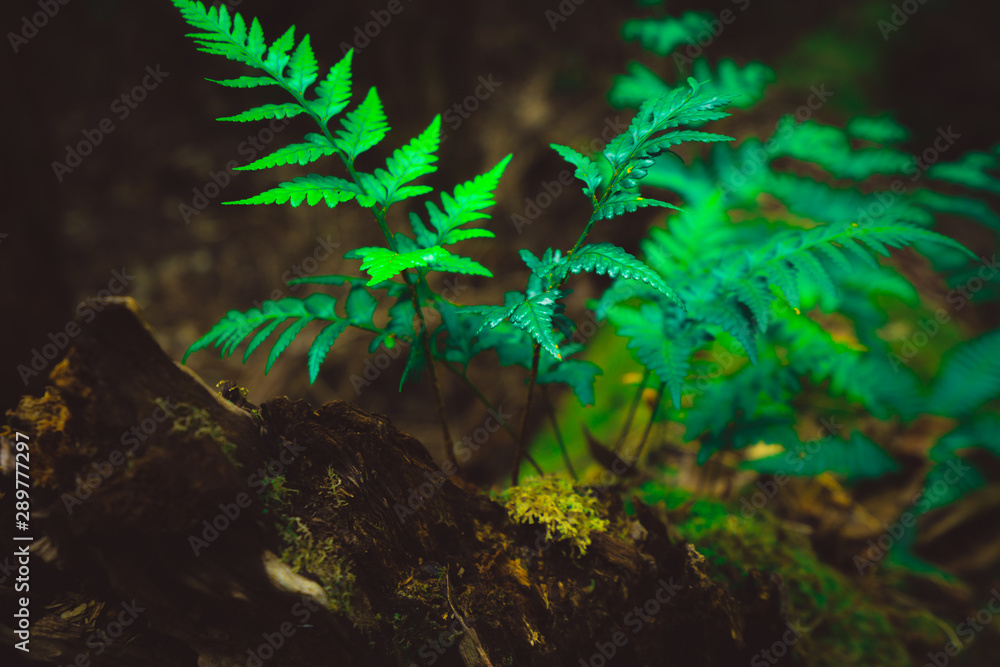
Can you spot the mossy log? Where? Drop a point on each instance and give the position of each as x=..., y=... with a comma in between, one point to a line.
x=172, y=526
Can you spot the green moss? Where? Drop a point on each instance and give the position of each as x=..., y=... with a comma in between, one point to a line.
x=335, y=487
x=322, y=559
x=843, y=623
x=555, y=504
x=197, y=423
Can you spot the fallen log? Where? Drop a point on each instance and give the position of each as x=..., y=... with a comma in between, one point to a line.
x=173, y=526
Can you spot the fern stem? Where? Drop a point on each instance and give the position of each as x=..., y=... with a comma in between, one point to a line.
x=627, y=426
x=536, y=356
x=649, y=424
x=379, y=213
x=489, y=406
x=425, y=342
x=555, y=429
x=579, y=241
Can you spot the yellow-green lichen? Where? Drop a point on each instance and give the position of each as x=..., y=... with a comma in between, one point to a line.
x=555, y=504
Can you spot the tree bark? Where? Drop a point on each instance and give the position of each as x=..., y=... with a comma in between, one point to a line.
x=160, y=513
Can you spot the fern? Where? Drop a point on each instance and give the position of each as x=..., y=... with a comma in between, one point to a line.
x=383, y=264
x=784, y=276
x=969, y=377
x=533, y=315
x=236, y=327
x=855, y=459
x=363, y=128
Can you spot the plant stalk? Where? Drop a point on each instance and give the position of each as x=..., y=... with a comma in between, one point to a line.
x=524, y=420
x=649, y=424
x=555, y=429
x=489, y=406
x=627, y=426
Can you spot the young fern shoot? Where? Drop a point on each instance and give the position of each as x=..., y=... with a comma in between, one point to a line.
x=612, y=193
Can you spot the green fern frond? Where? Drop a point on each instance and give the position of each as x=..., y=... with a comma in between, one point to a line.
x=363, y=128
x=579, y=375
x=657, y=343
x=465, y=205
x=316, y=146
x=321, y=347
x=532, y=315
x=302, y=67
x=969, y=377
x=786, y=257
x=662, y=35
x=745, y=85
x=621, y=203
x=246, y=82
x=267, y=111
x=612, y=261
x=972, y=170
x=586, y=169
x=942, y=486
x=981, y=431
x=236, y=327
x=830, y=148
x=311, y=189
x=334, y=92
x=878, y=129
x=224, y=36
x=382, y=264
x=855, y=459
x=736, y=319
x=277, y=55
x=629, y=153
x=408, y=163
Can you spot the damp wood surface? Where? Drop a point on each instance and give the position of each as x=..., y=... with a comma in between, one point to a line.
x=213, y=525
